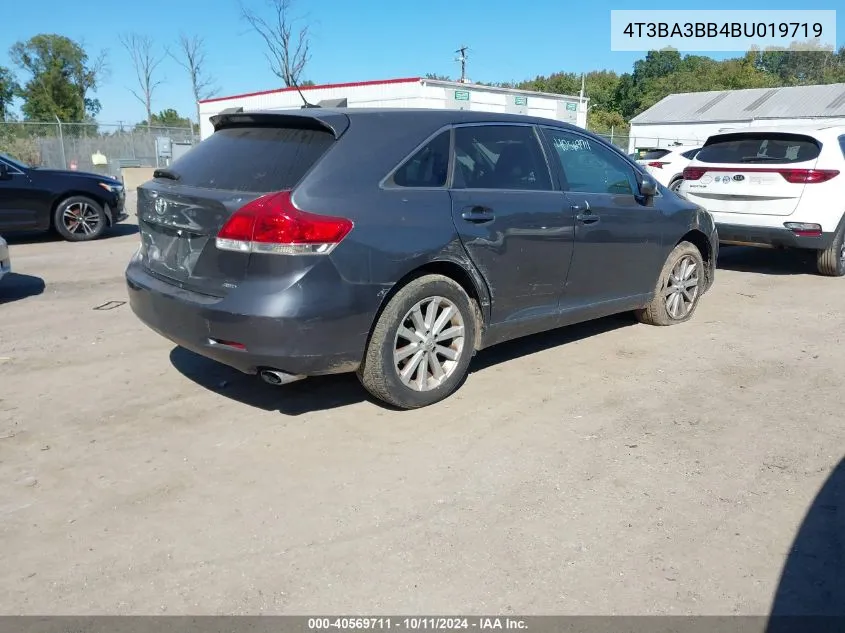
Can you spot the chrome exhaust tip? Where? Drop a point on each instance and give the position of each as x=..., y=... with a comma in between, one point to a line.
x=278, y=378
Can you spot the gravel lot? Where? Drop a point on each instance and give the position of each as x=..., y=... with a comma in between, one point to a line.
x=610, y=468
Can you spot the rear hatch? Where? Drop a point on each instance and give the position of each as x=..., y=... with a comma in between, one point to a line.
x=761, y=173
x=645, y=157
x=181, y=211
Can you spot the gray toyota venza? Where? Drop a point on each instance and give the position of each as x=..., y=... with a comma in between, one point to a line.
x=397, y=243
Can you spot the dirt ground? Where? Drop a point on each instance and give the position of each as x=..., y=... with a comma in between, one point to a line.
x=610, y=468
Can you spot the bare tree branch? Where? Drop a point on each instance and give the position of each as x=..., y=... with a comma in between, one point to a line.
x=288, y=47
x=191, y=57
x=145, y=61
x=90, y=77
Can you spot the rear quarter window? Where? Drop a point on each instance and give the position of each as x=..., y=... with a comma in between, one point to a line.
x=253, y=159
x=428, y=167
x=763, y=148
x=842, y=144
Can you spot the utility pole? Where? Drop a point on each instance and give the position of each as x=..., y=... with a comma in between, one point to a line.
x=61, y=142
x=462, y=57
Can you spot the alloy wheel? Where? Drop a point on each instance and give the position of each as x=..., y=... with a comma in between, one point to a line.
x=429, y=343
x=681, y=289
x=81, y=218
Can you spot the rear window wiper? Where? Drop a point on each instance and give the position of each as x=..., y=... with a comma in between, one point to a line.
x=166, y=173
x=762, y=159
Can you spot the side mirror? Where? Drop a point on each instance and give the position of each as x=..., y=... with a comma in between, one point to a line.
x=4, y=171
x=648, y=187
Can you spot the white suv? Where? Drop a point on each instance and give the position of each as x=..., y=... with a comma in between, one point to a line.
x=667, y=166
x=775, y=186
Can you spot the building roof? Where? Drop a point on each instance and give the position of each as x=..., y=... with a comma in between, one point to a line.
x=402, y=80
x=458, y=85
x=745, y=105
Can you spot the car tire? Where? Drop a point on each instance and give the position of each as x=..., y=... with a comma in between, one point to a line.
x=675, y=300
x=410, y=324
x=675, y=185
x=79, y=219
x=831, y=261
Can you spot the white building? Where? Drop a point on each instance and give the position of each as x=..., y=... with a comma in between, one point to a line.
x=412, y=92
x=691, y=117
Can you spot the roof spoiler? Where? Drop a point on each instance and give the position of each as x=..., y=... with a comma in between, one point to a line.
x=333, y=103
x=336, y=123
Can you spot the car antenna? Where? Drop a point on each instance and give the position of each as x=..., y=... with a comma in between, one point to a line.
x=304, y=100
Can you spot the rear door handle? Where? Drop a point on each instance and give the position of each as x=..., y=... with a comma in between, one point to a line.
x=478, y=214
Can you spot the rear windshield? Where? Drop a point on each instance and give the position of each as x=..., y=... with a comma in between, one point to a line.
x=758, y=148
x=253, y=159
x=653, y=154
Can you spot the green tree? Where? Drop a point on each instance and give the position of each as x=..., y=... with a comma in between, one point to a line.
x=600, y=86
x=603, y=122
x=8, y=88
x=61, y=78
x=801, y=67
x=166, y=118
x=629, y=91
x=556, y=83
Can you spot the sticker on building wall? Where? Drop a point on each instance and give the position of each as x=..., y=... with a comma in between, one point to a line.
x=520, y=101
x=461, y=95
x=572, y=107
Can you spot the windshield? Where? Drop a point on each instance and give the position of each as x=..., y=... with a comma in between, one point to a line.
x=14, y=163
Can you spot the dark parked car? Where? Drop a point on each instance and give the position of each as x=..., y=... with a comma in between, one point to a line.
x=78, y=205
x=396, y=243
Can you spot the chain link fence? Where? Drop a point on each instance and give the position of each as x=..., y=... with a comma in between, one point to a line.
x=107, y=147
x=631, y=144
x=98, y=147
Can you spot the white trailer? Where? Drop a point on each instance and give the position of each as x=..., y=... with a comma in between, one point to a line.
x=410, y=92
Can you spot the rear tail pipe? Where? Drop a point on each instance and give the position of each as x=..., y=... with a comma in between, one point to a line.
x=278, y=378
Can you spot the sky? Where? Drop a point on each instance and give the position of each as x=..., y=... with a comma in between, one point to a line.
x=351, y=41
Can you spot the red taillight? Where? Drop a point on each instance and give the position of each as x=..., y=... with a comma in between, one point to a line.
x=694, y=173
x=804, y=229
x=657, y=164
x=272, y=224
x=808, y=176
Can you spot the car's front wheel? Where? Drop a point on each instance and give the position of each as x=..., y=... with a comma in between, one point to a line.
x=79, y=219
x=422, y=344
x=680, y=286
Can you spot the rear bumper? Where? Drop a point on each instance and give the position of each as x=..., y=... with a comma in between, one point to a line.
x=770, y=236
x=278, y=331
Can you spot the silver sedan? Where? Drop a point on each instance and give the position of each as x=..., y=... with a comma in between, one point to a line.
x=5, y=260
